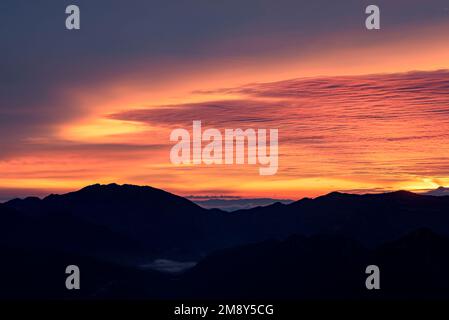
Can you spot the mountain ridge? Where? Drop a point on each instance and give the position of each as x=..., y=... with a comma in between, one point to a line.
x=290, y=246
x=172, y=227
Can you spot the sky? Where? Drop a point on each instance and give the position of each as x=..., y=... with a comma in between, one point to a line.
x=356, y=110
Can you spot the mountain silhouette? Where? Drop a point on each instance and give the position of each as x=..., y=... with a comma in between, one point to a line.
x=311, y=248
x=323, y=267
x=62, y=232
x=169, y=226
x=440, y=191
x=165, y=224
x=40, y=274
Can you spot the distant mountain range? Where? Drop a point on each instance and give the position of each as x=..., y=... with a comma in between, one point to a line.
x=130, y=219
x=440, y=191
x=122, y=227
x=236, y=204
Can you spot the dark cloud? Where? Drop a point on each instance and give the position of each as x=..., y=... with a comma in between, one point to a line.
x=212, y=113
x=61, y=148
x=415, y=86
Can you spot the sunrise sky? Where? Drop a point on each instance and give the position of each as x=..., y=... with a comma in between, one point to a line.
x=357, y=110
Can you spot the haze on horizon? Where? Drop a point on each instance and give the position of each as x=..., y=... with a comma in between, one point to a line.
x=356, y=110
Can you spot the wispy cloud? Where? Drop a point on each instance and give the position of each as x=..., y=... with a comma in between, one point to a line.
x=379, y=128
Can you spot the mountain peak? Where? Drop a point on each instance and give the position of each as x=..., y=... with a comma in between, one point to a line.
x=335, y=195
x=402, y=194
x=98, y=186
x=111, y=187
x=440, y=191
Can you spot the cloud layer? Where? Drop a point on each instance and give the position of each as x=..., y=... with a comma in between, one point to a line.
x=97, y=105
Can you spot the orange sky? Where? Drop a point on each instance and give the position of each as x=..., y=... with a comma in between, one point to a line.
x=339, y=129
